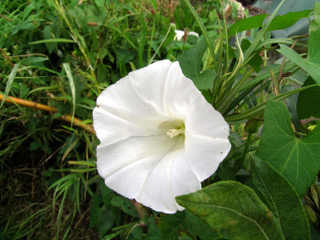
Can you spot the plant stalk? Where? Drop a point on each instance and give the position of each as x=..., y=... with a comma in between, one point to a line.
x=66, y=118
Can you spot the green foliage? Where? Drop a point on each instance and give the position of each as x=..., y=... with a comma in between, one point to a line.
x=279, y=22
x=307, y=100
x=296, y=159
x=281, y=198
x=10, y=82
x=311, y=63
x=190, y=62
x=234, y=211
x=64, y=53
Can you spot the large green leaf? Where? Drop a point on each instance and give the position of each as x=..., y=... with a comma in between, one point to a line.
x=282, y=199
x=287, y=20
x=311, y=64
x=308, y=104
x=316, y=22
x=234, y=211
x=171, y=226
x=246, y=24
x=313, y=46
x=298, y=160
x=279, y=22
x=289, y=6
x=190, y=63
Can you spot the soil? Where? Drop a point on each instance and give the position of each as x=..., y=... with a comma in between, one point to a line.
x=255, y=11
x=252, y=10
x=246, y=3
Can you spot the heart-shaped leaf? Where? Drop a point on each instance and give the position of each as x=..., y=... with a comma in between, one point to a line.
x=281, y=198
x=190, y=63
x=298, y=160
x=234, y=211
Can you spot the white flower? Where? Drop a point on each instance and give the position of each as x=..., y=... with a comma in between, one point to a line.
x=180, y=34
x=159, y=137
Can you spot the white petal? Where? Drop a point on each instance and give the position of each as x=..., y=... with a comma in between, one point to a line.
x=157, y=189
x=207, y=141
x=121, y=113
x=170, y=178
x=152, y=170
x=140, y=168
x=179, y=34
x=203, y=119
x=183, y=179
x=165, y=88
x=131, y=153
x=204, y=154
x=193, y=34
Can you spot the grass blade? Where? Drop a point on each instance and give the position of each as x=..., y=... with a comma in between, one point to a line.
x=203, y=30
x=53, y=40
x=11, y=77
x=261, y=33
x=66, y=67
x=259, y=108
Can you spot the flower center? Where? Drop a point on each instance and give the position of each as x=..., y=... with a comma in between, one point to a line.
x=173, y=128
x=175, y=132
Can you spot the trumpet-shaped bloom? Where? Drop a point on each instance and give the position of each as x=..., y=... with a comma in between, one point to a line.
x=159, y=137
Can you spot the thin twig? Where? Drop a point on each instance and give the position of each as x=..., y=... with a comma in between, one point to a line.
x=66, y=118
x=305, y=121
x=283, y=62
x=28, y=55
x=6, y=18
x=82, y=216
x=6, y=57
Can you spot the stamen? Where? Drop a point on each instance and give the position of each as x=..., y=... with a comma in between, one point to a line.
x=175, y=132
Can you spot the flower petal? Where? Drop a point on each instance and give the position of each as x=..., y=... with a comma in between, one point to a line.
x=121, y=113
x=151, y=170
x=193, y=34
x=179, y=34
x=183, y=179
x=140, y=168
x=204, y=154
x=170, y=178
x=135, y=153
x=165, y=88
x=203, y=119
x=207, y=141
